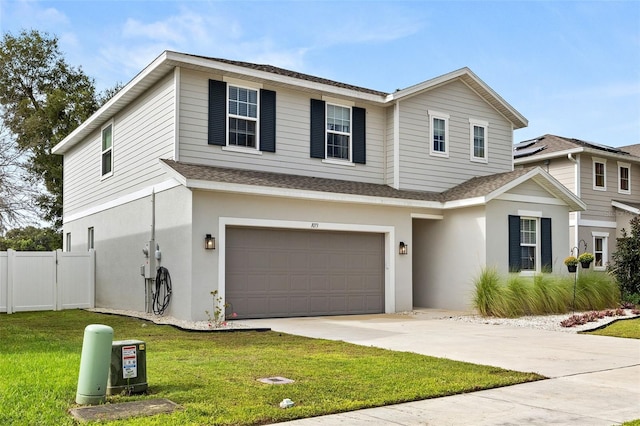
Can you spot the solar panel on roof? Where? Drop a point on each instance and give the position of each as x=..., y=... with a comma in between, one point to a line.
x=524, y=144
x=600, y=146
x=528, y=151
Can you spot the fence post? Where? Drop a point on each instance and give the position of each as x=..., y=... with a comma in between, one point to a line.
x=57, y=256
x=11, y=256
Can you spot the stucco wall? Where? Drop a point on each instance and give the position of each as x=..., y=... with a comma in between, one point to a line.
x=447, y=255
x=498, y=212
x=120, y=233
x=209, y=207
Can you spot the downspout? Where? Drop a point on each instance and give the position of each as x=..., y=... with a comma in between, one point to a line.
x=576, y=190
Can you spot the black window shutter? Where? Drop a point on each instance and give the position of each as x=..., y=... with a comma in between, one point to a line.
x=514, y=244
x=546, y=255
x=267, y=120
x=217, y=113
x=317, y=129
x=359, y=135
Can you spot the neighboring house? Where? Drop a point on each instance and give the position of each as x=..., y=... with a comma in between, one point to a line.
x=323, y=198
x=607, y=179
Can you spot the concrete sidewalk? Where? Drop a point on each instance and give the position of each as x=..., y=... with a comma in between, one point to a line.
x=594, y=380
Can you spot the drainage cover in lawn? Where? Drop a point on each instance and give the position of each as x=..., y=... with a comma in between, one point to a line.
x=123, y=410
x=276, y=380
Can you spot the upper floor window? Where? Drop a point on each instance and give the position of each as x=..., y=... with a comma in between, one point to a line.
x=439, y=136
x=107, y=150
x=243, y=117
x=599, y=174
x=478, y=139
x=624, y=178
x=338, y=132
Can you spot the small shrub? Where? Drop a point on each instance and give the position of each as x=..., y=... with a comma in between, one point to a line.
x=487, y=292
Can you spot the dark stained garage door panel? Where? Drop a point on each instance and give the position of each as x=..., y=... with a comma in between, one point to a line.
x=288, y=273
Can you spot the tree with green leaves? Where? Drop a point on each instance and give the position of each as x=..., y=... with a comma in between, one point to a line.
x=42, y=100
x=31, y=238
x=625, y=265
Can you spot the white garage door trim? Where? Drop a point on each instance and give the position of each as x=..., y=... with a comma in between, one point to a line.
x=389, y=237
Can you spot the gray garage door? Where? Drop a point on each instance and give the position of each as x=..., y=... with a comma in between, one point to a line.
x=288, y=273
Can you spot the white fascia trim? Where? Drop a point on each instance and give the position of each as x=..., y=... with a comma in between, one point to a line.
x=388, y=231
x=426, y=216
x=625, y=207
x=468, y=202
x=267, y=76
x=531, y=199
x=144, y=192
x=176, y=114
x=597, y=223
x=535, y=158
x=307, y=195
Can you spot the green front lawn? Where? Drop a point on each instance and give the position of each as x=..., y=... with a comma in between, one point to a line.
x=629, y=328
x=213, y=376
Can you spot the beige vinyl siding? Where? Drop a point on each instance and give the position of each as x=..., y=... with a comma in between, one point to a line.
x=292, y=154
x=142, y=133
x=562, y=169
x=423, y=172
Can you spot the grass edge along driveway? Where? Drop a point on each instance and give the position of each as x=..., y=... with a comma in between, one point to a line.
x=213, y=376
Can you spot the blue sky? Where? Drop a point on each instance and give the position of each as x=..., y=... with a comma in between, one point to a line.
x=571, y=67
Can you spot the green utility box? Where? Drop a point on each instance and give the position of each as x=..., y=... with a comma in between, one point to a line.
x=94, y=364
x=128, y=371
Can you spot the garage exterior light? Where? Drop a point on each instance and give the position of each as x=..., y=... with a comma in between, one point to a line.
x=209, y=242
x=404, y=249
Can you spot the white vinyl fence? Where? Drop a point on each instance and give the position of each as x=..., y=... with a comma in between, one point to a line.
x=46, y=281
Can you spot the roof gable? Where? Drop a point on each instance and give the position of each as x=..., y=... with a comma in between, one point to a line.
x=168, y=61
x=551, y=146
x=474, y=83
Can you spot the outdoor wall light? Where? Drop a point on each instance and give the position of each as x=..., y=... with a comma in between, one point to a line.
x=209, y=242
x=403, y=248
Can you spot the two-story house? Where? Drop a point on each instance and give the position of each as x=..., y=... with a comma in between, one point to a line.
x=606, y=178
x=293, y=195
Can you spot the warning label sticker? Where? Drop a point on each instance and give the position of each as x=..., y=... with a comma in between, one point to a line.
x=129, y=362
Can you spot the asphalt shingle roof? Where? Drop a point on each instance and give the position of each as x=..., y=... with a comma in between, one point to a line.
x=549, y=144
x=287, y=73
x=472, y=188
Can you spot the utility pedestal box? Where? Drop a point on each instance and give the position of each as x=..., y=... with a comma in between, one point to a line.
x=128, y=371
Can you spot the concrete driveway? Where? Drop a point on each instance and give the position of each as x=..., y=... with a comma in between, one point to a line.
x=594, y=380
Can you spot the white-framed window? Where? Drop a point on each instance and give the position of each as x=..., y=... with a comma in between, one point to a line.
x=529, y=244
x=107, y=150
x=599, y=174
x=600, y=251
x=338, y=132
x=90, y=238
x=68, y=241
x=438, y=134
x=478, y=135
x=624, y=178
x=243, y=116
